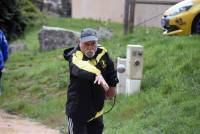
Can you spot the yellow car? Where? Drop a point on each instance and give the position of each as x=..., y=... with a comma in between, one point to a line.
x=182, y=18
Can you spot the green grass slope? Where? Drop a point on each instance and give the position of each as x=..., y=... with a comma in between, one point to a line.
x=35, y=83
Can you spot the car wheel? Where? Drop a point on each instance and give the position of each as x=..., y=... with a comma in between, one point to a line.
x=196, y=25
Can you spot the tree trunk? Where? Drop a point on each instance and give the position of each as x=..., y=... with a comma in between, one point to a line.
x=132, y=16
x=66, y=8
x=129, y=14
x=126, y=16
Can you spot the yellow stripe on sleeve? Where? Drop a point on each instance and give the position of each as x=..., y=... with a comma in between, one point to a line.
x=84, y=65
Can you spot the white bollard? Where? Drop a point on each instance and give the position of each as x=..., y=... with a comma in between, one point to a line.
x=134, y=67
x=132, y=86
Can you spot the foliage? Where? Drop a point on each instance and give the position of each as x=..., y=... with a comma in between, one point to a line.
x=17, y=15
x=11, y=19
x=32, y=16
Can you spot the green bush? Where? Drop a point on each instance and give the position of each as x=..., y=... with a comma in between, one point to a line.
x=32, y=16
x=11, y=20
x=17, y=15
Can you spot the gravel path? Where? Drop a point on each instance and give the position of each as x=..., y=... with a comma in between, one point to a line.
x=12, y=124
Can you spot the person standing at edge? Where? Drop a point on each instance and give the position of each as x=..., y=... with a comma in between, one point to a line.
x=92, y=79
x=3, y=55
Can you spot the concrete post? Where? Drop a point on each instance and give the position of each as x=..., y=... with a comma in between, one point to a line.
x=134, y=67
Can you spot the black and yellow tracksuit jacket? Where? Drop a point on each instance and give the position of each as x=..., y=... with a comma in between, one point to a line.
x=85, y=99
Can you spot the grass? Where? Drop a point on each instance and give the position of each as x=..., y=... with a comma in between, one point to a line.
x=35, y=83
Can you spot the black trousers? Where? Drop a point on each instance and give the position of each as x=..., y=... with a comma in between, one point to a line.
x=93, y=127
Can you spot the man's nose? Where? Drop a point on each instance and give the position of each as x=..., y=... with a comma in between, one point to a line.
x=90, y=47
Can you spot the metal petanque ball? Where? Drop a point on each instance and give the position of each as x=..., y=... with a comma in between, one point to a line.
x=121, y=68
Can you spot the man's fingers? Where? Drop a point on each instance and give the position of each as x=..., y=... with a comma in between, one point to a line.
x=95, y=80
x=105, y=86
x=99, y=81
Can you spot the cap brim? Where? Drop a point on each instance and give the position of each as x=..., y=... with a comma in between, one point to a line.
x=88, y=38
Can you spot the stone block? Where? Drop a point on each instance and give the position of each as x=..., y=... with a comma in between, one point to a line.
x=51, y=38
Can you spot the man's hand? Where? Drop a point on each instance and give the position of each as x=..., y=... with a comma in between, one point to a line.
x=101, y=81
x=111, y=93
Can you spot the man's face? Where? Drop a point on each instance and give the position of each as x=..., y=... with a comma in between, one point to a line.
x=89, y=48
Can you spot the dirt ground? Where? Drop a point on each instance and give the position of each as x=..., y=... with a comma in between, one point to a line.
x=12, y=124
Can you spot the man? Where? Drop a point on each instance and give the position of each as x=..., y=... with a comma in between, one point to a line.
x=3, y=54
x=92, y=79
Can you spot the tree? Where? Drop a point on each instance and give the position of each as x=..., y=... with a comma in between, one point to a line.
x=129, y=15
x=18, y=15
x=11, y=20
x=66, y=8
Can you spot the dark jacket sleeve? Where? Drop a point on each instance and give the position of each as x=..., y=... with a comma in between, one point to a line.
x=111, y=73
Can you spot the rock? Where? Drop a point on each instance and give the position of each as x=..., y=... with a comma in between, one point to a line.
x=13, y=48
x=51, y=38
x=104, y=33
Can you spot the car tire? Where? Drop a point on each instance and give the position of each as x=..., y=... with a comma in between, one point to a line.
x=196, y=25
